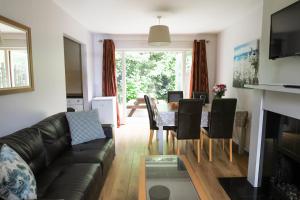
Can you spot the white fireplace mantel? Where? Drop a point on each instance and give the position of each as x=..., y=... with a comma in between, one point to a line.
x=274, y=88
x=275, y=98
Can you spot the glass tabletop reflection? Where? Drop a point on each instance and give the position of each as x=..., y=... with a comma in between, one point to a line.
x=170, y=171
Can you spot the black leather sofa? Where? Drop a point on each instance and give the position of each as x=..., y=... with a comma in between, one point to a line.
x=63, y=171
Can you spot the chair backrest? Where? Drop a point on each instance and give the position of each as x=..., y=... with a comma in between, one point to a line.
x=175, y=96
x=201, y=95
x=69, y=109
x=222, y=118
x=189, y=119
x=151, y=114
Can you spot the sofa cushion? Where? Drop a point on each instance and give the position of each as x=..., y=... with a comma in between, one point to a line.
x=93, y=144
x=90, y=156
x=98, y=151
x=54, y=131
x=29, y=145
x=70, y=182
x=84, y=126
x=16, y=178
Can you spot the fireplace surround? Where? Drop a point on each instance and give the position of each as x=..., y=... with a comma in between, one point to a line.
x=271, y=103
x=281, y=159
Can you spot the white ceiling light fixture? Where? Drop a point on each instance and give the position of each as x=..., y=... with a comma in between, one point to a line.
x=159, y=35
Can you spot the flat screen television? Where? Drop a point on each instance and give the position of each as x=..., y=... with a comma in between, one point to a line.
x=285, y=32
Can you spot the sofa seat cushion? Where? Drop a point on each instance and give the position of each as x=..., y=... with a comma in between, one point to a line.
x=98, y=151
x=88, y=156
x=94, y=144
x=73, y=181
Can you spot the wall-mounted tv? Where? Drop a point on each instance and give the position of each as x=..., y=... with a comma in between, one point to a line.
x=285, y=32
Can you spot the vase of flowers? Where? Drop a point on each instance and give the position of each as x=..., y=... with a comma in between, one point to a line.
x=219, y=90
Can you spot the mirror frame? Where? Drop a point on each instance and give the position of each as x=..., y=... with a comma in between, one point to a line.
x=12, y=90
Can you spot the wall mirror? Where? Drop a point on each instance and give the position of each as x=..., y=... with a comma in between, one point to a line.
x=16, y=73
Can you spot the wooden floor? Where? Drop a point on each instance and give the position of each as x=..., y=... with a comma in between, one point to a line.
x=131, y=143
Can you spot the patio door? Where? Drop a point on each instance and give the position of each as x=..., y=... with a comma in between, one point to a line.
x=150, y=72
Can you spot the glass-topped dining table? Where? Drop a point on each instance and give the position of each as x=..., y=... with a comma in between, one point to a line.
x=165, y=116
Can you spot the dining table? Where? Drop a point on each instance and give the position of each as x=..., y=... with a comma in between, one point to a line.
x=165, y=117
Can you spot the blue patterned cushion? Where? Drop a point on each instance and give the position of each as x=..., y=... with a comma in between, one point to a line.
x=16, y=178
x=84, y=126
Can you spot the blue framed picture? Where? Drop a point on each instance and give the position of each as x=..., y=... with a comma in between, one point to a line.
x=246, y=64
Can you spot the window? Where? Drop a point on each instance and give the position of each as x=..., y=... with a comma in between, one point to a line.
x=151, y=72
x=4, y=72
x=13, y=68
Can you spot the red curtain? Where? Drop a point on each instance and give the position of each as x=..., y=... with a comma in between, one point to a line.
x=199, y=75
x=109, y=81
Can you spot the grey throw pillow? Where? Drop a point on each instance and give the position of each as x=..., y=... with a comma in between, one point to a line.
x=84, y=126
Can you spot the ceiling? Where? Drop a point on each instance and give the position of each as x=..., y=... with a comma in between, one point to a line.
x=136, y=16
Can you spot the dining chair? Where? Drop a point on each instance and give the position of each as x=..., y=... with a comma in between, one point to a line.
x=152, y=112
x=189, y=122
x=220, y=124
x=201, y=95
x=175, y=96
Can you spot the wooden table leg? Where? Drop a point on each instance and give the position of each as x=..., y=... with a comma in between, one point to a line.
x=150, y=138
x=178, y=147
x=168, y=136
x=201, y=138
x=230, y=150
x=210, y=149
x=198, y=151
x=242, y=132
x=131, y=112
x=223, y=141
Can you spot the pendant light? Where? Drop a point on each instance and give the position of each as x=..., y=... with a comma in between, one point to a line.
x=159, y=35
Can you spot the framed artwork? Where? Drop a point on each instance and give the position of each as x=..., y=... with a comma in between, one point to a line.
x=246, y=64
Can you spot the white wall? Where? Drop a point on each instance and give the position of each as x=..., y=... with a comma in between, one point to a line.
x=245, y=30
x=139, y=42
x=48, y=25
x=283, y=70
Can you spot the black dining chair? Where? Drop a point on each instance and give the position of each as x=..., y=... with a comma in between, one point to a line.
x=201, y=95
x=152, y=111
x=220, y=124
x=175, y=96
x=189, y=122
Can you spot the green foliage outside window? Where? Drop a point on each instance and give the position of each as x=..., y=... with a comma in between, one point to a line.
x=150, y=73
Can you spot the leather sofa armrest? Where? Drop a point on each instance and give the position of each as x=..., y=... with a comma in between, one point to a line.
x=108, y=130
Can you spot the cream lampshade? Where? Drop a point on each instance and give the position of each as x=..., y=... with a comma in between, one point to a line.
x=159, y=35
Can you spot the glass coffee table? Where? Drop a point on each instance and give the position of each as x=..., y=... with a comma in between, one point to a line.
x=168, y=177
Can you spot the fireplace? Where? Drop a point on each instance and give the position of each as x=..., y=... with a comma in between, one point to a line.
x=281, y=157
